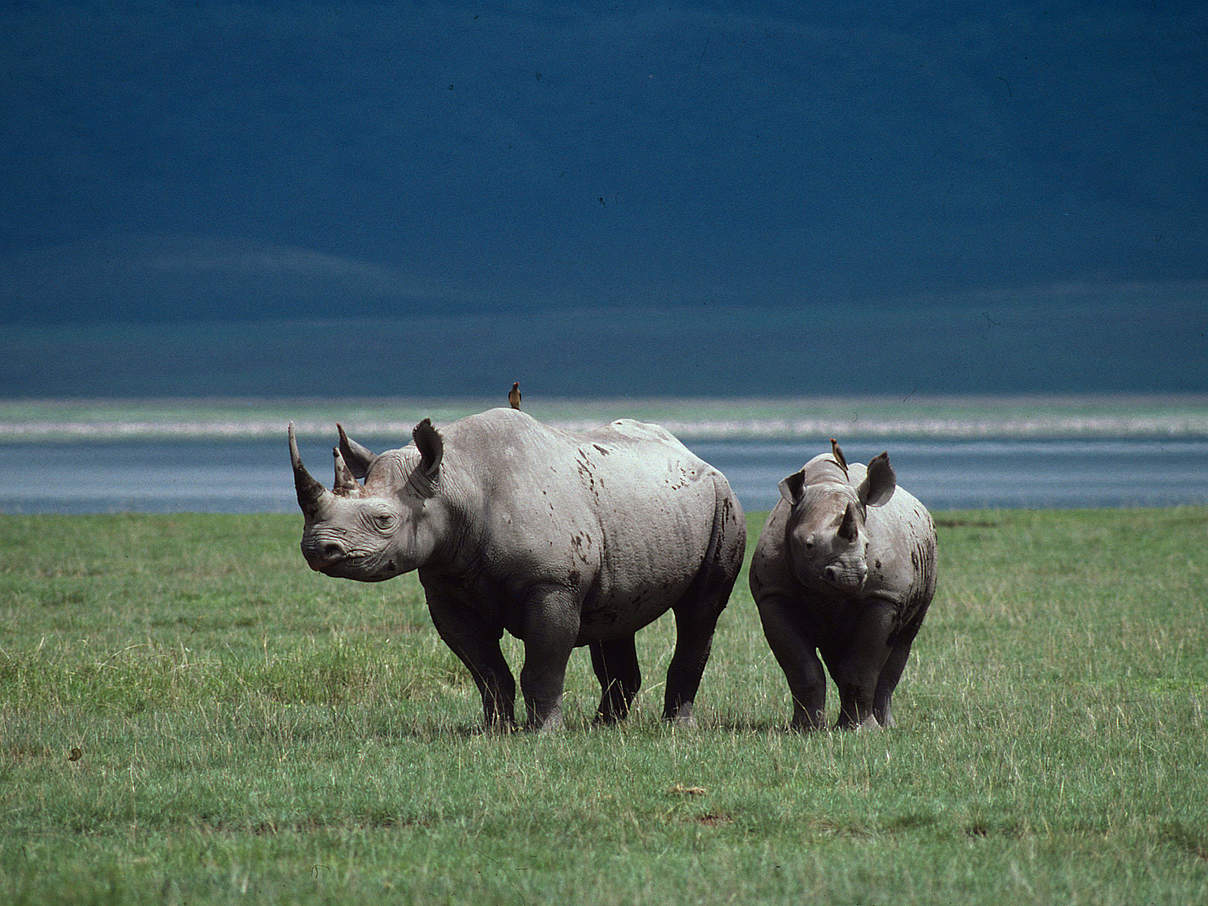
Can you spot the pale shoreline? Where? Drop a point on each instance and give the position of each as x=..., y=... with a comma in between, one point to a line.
x=957, y=417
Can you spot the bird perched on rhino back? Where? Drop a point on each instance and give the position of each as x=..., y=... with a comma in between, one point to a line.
x=562, y=539
x=837, y=453
x=844, y=568
x=514, y=395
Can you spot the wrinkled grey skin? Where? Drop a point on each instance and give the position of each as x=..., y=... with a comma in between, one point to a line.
x=845, y=567
x=560, y=539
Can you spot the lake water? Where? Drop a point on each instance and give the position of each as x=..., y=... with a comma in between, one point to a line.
x=230, y=476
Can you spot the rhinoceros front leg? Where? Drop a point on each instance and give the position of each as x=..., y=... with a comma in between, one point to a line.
x=797, y=656
x=477, y=646
x=859, y=668
x=616, y=666
x=550, y=629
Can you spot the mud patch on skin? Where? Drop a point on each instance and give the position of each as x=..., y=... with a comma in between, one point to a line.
x=587, y=473
x=580, y=544
x=727, y=511
x=686, y=478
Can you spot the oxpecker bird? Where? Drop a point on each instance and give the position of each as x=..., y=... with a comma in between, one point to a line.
x=838, y=454
x=514, y=395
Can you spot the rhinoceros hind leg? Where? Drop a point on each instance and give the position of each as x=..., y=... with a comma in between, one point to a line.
x=695, y=619
x=551, y=625
x=616, y=666
x=887, y=682
x=892, y=672
x=697, y=612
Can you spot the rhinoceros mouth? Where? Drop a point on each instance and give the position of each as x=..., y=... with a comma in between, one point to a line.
x=362, y=568
x=343, y=571
x=846, y=578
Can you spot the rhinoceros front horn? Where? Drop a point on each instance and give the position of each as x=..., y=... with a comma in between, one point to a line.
x=848, y=530
x=310, y=491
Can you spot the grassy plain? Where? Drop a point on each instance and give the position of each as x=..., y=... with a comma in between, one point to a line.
x=187, y=715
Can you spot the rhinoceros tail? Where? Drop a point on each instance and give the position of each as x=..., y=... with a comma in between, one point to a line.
x=697, y=611
x=727, y=543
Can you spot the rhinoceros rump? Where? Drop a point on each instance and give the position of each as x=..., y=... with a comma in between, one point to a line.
x=845, y=566
x=560, y=539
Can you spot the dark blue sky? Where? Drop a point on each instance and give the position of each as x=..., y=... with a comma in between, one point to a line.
x=691, y=198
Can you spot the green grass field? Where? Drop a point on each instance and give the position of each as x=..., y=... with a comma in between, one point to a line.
x=188, y=714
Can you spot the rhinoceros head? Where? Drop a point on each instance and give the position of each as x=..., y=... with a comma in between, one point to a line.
x=826, y=536
x=389, y=525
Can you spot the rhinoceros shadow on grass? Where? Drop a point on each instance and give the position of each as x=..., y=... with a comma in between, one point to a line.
x=845, y=567
x=561, y=539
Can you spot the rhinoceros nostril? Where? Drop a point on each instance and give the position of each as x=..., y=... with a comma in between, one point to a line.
x=830, y=573
x=320, y=555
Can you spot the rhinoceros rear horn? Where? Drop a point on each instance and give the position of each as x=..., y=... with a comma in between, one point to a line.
x=358, y=457
x=346, y=485
x=430, y=445
x=310, y=491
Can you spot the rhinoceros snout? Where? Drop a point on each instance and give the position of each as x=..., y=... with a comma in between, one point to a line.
x=323, y=555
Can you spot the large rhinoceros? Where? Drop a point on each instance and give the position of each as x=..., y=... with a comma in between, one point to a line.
x=845, y=566
x=561, y=539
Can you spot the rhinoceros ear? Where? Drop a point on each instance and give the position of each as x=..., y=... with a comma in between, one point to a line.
x=792, y=487
x=359, y=458
x=431, y=447
x=878, y=485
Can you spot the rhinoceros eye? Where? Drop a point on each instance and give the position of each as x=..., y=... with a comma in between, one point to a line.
x=384, y=522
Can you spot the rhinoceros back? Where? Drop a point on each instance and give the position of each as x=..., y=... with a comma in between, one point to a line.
x=625, y=509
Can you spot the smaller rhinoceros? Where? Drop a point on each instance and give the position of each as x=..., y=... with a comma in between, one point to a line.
x=845, y=566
